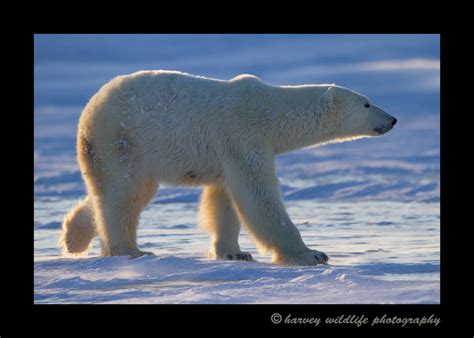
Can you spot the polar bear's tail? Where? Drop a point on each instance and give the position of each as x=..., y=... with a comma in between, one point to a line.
x=78, y=228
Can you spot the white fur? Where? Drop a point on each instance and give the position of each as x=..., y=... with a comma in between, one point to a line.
x=160, y=126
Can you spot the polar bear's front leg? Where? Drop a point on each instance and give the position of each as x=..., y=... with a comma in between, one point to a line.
x=255, y=191
x=218, y=217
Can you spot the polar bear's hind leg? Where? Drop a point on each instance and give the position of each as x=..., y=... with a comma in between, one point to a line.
x=117, y=216
x=119, y=190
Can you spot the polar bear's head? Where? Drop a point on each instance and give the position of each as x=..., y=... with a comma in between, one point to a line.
x=354, y=115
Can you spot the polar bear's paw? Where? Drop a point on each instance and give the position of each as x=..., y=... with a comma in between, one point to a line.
x=312, y=257
x=139, y=253
x=234, y=256
x=132, y=253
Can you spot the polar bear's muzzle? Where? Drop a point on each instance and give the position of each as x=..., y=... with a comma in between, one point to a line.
x=386, y=128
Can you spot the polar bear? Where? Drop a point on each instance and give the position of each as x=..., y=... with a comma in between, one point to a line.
x=149, y=127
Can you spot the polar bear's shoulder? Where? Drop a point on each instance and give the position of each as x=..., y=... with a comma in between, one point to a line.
x=245, y=78
x=247, y=81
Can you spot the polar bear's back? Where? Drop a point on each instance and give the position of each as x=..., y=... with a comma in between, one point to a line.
x=158, y=93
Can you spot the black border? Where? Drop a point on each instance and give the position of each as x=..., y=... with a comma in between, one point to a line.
x=152, y=317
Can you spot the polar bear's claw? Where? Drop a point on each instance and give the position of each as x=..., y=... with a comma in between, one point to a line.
x=239, y=256
x=132, y=254
x=140, y=254
x=322, y=258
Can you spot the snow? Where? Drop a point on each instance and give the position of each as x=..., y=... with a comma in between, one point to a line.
x=372, y=204
x=172, y=279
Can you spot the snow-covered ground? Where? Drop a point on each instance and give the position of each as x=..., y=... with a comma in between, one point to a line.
x=372, y=205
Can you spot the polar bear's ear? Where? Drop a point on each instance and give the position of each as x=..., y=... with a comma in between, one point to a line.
x=327, y=99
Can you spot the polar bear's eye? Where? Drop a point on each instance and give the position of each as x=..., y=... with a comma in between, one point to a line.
x=366, y=105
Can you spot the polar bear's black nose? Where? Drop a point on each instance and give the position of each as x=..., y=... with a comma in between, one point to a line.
x=394, y=121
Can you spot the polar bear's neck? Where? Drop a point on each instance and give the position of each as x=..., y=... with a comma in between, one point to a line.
x=297, y=120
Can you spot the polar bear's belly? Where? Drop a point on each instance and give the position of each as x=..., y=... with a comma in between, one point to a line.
x=184, y=161
x=190, y=173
